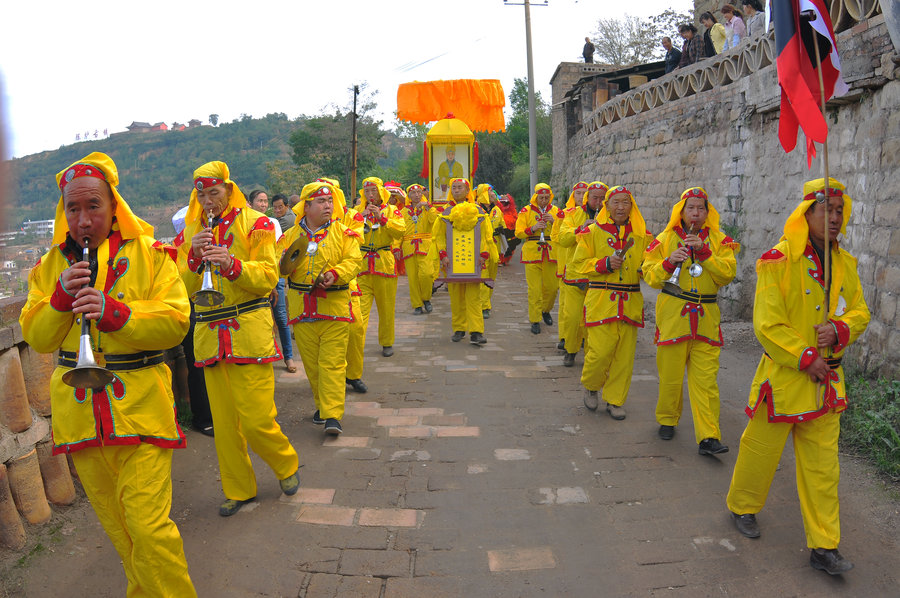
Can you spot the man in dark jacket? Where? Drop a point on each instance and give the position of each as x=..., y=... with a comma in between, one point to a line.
x=673, y=54
x=588, y=51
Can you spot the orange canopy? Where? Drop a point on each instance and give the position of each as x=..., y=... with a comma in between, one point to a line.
x=477, y=102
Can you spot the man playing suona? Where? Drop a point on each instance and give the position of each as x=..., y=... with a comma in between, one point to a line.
x=486, y=198
x=120, y=436
x=419, y=217
x=319, y=305
x=536, y=226
x=688, y=334
x=609, y=253
x=799, y=387
x=575, y=200
x=234, y=341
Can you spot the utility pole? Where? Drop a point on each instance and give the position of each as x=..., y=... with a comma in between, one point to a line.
x=532, y=118
x=352, y=190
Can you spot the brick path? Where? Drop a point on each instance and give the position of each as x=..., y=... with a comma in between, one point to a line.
x=470, y=471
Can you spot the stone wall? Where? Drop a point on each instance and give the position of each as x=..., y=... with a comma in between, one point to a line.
x=726, y=139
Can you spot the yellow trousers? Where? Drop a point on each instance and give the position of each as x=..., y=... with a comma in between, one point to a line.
x=487, y=292
x=383, y=291
x=130, y=488
x=323, y=349
x=818, y=471
x=702, y=363
x=242, y=402
x=571, y=316
x=542, y=288
x=465, y=306
x=356, y=343
x=420, y=275
x=609, y=360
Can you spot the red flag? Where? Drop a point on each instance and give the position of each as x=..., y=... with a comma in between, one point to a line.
x=799, y=24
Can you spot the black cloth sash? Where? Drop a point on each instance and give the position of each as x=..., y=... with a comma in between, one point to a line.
x=121, y=362
x=612, y=286
x=232, y=311
x=692, y=297
x=305, y=288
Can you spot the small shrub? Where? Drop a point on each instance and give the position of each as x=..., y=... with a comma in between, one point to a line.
x=870, y=426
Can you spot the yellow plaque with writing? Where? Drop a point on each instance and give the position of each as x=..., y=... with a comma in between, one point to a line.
x=463, y=252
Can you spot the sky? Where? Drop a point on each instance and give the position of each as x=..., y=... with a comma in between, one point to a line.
x=68, y=68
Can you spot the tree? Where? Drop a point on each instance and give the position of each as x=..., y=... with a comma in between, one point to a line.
x=633, y=40
x=214, y=119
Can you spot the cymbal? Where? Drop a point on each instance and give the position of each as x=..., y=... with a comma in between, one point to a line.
x=293, y=256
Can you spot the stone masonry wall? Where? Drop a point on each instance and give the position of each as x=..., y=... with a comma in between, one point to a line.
x=726, y=140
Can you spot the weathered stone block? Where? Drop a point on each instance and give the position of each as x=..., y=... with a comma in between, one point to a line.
x=27, y=488
x=37, y=369
x=14, y=411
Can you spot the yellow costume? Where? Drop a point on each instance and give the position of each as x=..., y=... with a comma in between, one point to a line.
x=465, y=297
x=783, y=399
x=495, y=216
x=539, y=256
x=235, y=341
x=119, y=436
x=415, y=248
x=377, y=278
x=321, y=317
x=573, y=286
x=688, y=334
x=613, y=305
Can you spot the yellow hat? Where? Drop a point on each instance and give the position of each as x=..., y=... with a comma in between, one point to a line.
x=315, y=189
x=638, y=226
x=373, y=181
x=483, y=193
x=130, y=226
x=579, y=186
x=796, y=230
x=470, y=196
x=213, y=173
x=590, y=187
x=337, y=192
x=541, y=188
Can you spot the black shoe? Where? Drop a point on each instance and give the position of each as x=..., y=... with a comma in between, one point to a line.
x=418, y=311
x=232, y=506
x=206, y=430
x=561, y=345
x=829, y=561
x=427, y=306
x=387, y=351
x=547, y=319
x=333, y=427
x=486, y=314
x=476, y=338
x=666, y=432
x=569, y=360
x=458, y=336
x=711, y=446
x=747, y=525
x=317, y=419
x=358, y=386
x=535, y=328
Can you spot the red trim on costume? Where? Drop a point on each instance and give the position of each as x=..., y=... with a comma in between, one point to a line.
x=358, y=217
x=442, y=253
x=262, y=223
x=193, y=261
x=80, y=170
x=600, y=266
x=579, y=185
x=832, y=192
x=179, y=239
x=807, y=358
x=843, y=334
x=350, y=233
x=115, y=315
x=236, y=268
x=170, y=251
x=703, y=253
x=205, y=182
x=61, y=300
x=653, y=245
x=620, y=316
x=772, y=255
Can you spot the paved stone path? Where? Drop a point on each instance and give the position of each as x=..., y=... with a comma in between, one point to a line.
x=476, y=471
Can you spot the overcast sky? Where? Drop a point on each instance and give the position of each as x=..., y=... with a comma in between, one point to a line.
x=70, y=67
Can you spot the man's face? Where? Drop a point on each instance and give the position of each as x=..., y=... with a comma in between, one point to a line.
x=595, y=198
x=694, y=213
x=415, y=195
x=579, y=196
x=372, y=195
x=817, y=224
x=279, y=208
x=543, y=200
x=214, y=199
x=459, y=190
x=619, y=207
x=90, y=208
x=319, y=210
x=451, y=155
x=261, y=202
x=667, y=44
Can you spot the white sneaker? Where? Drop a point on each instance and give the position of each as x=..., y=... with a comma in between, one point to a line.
x=591, y=399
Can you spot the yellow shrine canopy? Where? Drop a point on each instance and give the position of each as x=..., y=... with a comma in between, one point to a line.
x=477, y=102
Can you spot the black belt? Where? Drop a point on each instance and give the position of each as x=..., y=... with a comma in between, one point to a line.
x=306, y=288
x=232, y=311
x=122, y=362
x=613, y=286
x=692, y=297
x=373, y=249
x=832, y=362
x=535, y=238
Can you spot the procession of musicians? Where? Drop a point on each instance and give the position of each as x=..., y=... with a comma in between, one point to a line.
x=107, y=280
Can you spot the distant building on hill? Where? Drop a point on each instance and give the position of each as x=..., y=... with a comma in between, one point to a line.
x=194, y=123
x=138, y=127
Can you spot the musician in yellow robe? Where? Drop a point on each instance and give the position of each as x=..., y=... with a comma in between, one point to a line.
x=487, y=199
x=574, y=285
x=688, y=334
x=234, y=342
x=465, y=297
x=575, y=200
x=119, y=436
x=377, y=278
x=610, y=253
x=799, y=389
x=318, y=295
x=537, y=224
x=419, y=217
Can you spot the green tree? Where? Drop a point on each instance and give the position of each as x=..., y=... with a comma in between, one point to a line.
x=214, y=119
x=634, y=40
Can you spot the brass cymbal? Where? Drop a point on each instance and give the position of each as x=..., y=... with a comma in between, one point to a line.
x=293, y=256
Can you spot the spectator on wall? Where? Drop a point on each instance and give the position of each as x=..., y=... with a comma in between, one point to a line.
x=673, y=54
x=734, y=26
x=756, y=17
x=714, y=36
x=692, y=51
x=588, y=51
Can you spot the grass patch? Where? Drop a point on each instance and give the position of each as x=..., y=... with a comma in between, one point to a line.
x=870, y=427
